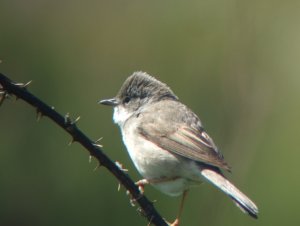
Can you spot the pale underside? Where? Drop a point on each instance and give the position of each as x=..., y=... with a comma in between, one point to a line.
x=172, y=172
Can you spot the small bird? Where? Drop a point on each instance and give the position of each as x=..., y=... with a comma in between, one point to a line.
x=167, y=142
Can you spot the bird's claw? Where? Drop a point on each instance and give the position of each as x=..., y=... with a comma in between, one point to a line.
x=175, y=223
x=141, y=184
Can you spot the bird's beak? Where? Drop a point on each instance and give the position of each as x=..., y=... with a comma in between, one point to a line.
x=110, y=102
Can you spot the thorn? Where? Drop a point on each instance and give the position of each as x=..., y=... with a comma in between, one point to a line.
x=96, y=143
x=142, y=213
x=67, y=118
x=119, y=186
x=69, y=121
x=120, y=166
x=98, y=139
x=39, y=115
x=132, y=202
x=71, y=142
x=76, y=120
x=150, y=222
x=52, y=107
x=7, y=95
x=4, y=95
x=97, y=167
x=90, y=159
x=27, y=84
x=22, y=85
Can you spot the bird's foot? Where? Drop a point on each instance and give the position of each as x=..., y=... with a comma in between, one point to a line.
x=141, y=184
x=175, y=223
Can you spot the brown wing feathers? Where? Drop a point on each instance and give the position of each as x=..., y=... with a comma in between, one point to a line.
x=189, y=143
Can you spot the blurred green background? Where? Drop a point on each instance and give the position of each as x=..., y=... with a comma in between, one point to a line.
x=235, y=63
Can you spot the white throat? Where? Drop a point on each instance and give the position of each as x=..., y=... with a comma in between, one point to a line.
x=121, y=115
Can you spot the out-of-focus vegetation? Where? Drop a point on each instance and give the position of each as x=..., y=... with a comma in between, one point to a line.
x=235, y=63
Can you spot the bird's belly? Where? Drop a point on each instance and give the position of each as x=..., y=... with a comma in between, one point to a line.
x=163, y=169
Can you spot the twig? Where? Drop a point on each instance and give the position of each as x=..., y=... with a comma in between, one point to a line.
x=20, y=91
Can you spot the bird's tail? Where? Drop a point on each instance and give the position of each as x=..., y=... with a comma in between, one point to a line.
x=240, y=199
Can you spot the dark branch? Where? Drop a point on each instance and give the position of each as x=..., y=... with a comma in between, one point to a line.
x=20, y=91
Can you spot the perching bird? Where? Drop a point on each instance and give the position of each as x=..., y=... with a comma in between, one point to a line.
x=167, y=142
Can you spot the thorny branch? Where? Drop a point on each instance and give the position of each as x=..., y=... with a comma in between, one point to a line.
x=20, y=91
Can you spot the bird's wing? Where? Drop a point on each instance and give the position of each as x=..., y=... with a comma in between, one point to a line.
x=185, y=141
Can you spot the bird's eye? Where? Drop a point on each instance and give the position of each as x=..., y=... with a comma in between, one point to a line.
x=126, y=100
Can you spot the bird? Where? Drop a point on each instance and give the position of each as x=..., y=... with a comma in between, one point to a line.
x=167, y=142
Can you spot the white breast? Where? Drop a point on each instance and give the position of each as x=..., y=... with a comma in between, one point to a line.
x=121, y=115
x=155, y=163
